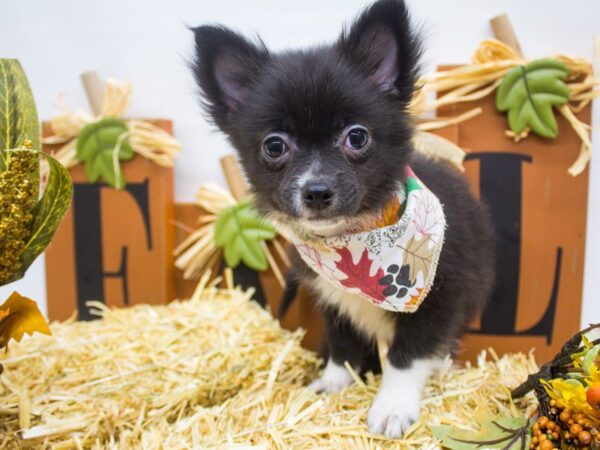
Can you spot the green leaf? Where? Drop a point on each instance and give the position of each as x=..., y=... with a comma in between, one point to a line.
x=251, y=251
x=502, y=432
x=240, y=231
x=226, y=228
x=574, y=383
x=590, y=358
x=96, y=147
x=49, y=211
x=529, y=92
x=18, y=114
x=232, y=254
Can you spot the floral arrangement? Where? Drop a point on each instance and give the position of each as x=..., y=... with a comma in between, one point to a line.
x=568, y=414
x=570, y=399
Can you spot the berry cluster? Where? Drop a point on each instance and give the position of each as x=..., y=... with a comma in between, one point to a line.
x=563, y=428
x=18, y=197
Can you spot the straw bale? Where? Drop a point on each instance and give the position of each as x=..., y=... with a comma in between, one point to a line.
x=217, y=372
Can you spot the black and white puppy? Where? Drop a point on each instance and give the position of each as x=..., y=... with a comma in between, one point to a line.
x=324, y=135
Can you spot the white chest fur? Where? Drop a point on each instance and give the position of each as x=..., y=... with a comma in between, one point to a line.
x=374, y=322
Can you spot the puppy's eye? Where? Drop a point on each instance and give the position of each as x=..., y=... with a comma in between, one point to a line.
x=357, y=138
x=274, y=146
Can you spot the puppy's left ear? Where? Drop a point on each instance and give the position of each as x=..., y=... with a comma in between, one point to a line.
x=226, y=66
x=385, y=47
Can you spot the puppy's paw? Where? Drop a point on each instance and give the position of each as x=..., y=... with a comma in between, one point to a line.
x=330, y=386
x=334, y=379
x=392, y=416
x=398, y=403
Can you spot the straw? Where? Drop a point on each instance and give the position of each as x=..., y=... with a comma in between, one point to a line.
x=213, y=372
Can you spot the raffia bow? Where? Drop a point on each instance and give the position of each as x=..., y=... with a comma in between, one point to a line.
x=145, y=139
x=491, y=61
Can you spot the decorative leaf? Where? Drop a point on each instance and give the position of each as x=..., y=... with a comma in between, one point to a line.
x=571, y=392
x=240, y=230
x=48, y=212
x=96, y=146
x=418, y=256
x=23, y=317
x=358, y=275
x=590, y=358
x=503, y=432
x=529, y=92
x=18, y=114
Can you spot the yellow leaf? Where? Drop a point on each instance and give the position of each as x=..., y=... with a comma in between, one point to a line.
x=572, y=393
x=20, y=315
x=418, y=256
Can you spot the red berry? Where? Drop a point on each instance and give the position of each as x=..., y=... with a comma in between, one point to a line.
x=593, y=396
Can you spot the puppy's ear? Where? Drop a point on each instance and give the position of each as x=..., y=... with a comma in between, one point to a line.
x=225, y=67
x=383, y=45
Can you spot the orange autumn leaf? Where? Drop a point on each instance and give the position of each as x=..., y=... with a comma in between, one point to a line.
x=19, y=316
x=415, y=300
x=390, y=213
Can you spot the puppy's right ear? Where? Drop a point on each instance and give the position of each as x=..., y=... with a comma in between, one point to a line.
x=225, y=67
x=383, y=44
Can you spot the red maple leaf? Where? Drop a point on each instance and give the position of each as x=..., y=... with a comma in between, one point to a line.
x=358, y=274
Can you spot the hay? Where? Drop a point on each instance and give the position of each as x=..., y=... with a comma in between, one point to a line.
x=213, y=372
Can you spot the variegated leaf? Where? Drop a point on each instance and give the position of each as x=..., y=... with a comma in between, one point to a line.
x=18, y=114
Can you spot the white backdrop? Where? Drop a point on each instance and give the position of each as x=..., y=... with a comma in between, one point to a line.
x=147, y=42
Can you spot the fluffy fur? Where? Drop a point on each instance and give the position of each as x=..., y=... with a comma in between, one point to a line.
x=311, y=101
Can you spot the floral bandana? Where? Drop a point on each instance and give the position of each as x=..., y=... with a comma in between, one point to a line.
x=393, y=262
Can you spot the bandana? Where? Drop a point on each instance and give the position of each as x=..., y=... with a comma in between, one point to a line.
x=392, y=261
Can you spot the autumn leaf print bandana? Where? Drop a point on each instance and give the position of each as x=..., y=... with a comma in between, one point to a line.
x=392, y=264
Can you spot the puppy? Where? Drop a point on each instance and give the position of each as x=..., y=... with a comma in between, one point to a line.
x=324, y=137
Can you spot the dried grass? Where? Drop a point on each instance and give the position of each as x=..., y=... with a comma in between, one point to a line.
x=212, y=372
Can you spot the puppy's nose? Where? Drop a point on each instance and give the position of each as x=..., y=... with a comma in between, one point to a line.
x=317, y=195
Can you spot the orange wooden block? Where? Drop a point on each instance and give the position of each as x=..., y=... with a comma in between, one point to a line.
x=114, y=246
x=540, y=212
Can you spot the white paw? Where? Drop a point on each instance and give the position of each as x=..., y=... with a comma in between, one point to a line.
x=398, y=403
x=392, y=416
x=334, y=379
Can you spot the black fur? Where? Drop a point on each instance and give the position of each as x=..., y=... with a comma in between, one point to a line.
x=310, y=96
